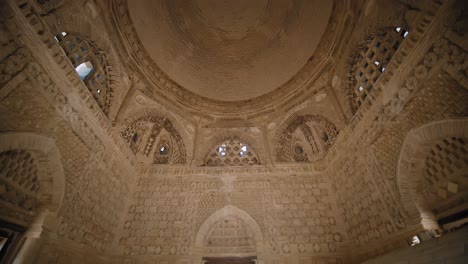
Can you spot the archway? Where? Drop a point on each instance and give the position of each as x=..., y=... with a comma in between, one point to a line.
x=229, y=235
x=32, y=186
x=435, y=143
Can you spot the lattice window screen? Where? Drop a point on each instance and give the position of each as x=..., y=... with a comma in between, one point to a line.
x=80, y=51
x=232, y=152
x=372, y=61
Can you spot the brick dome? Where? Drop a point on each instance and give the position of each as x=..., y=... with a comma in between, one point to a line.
x=230, y=50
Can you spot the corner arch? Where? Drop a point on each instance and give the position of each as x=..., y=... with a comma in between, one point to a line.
x=417, y=143
x=185, y=141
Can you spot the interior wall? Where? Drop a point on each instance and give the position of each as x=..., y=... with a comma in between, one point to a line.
x=296, y=214
x=366, y=178
x=116, y=210
x=451, y=248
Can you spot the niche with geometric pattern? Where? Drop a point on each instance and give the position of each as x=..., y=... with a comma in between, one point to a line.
x=155, y=140
x=305, y=139
x=232, y=152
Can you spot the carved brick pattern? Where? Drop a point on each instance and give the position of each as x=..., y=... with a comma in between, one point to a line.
x=80, y=50
x=13, y=64
x=372, y=61
x=95, y=192
x=305, y=139
x=19, y=183
x=373, y=209
x=446, y=175
x=363, y=210
x=147, y=135
x=294, y=216
x=230, y=235
x=232, y=152
x=160, y=218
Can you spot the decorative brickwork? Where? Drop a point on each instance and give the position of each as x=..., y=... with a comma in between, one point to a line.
x=232, y=152
x=446, y=175
x=155, y=140
x=83, y=53
x=116, y=147
x=305, y=139
x=372, y=61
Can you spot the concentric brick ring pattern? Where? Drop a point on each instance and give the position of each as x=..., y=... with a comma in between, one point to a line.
x=230, y=50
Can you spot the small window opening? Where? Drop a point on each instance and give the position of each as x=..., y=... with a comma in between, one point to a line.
x=84, y=69
x=325, y=137
x=163, y=150
x=135, y=137
x=298, y=150
x=415, y=241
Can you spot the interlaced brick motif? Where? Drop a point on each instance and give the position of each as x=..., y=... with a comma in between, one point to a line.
x=90, y=63
x=372, y=61
x=232, y=152
x=19, y=181
x=305, y=139
x=156, y=140
x=230, y=235
x=446, y=174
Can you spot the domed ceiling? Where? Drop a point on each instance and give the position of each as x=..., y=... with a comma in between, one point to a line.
x=230, y=50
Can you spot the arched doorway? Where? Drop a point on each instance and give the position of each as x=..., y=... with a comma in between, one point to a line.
x=229, y=236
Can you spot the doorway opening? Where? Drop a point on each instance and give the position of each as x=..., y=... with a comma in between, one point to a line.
x=230, y=260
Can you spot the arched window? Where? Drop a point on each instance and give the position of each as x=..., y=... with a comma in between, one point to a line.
x=372, y=61
x=90, y=65
x=232, y=152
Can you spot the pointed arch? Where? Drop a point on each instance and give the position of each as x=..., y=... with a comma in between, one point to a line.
x=156, y=138
x=227, y=211
x=304, y=138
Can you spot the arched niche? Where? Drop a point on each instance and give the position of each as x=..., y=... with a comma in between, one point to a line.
x=429, y=150
x=304, y=138
x=73, y=18
x=156, y=138
x=32, y=187
x=242, y=220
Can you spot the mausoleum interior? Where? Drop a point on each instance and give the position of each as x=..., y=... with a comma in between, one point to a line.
x=233, y=131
